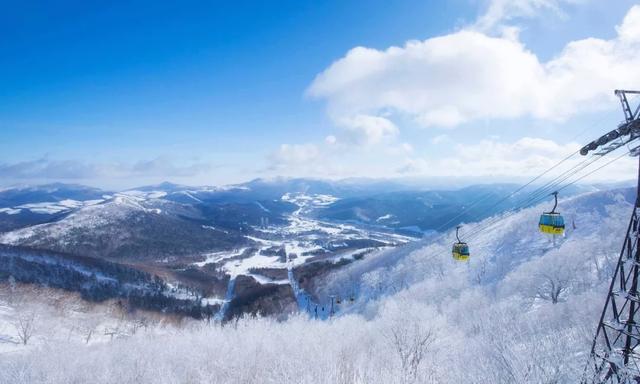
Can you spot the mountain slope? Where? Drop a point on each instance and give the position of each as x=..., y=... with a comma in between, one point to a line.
x=125, y=227
x=595, y=226
x=418, y=317
x=425, y=211
x=24, y=206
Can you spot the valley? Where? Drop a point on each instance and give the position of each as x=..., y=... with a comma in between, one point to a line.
x=238, y=249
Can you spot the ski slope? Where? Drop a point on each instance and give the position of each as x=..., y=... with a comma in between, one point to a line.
x=496, y=252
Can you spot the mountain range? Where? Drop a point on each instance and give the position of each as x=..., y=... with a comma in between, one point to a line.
x=204, y=238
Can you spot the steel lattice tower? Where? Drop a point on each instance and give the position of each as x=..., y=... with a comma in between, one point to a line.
x=615, y=356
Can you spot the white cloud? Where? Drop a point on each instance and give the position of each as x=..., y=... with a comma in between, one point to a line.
x=503, y=11
x=469, y=75
x=408, y=148
x=446, y=116
x=52, y=169
x=292, y=154
x=526, y=157
x=336, y=159
x=440, y=139
x=629, y=30
x=304, y=160
x=368, y=130
x=164, y=167
x=490, y=160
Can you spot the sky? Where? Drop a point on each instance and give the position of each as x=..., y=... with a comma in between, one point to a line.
x=119, y=94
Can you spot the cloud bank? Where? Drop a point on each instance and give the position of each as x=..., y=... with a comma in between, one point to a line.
x=46, y=168
x=524, y=157
x=470, y=75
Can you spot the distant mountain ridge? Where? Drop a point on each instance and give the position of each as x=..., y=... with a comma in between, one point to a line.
x=372, y=202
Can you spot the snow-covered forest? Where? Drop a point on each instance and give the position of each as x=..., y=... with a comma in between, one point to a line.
x=523, y=310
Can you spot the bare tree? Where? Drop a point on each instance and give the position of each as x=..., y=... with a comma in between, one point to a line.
x=138, y=323
x=89, y=327
x=25, y=327
x=551, y=287
x=481, y=271
x=119, y=331
x=411, y=342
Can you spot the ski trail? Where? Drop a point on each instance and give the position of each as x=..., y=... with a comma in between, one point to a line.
x=303, y=299
x=300, y=295
x=231, y=286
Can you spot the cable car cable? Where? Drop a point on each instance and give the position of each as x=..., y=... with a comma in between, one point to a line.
x=533, y=194
x=594, y=125
x=551, y=184
x=477, y=201
x=510, y=194
x=503, y=199
x=537, y=194
x=595, y=170
x=538, y=197
x=475, y=234
x=541, y=195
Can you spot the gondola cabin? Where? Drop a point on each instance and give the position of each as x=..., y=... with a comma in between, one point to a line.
x=460, y=251
x=551, y=223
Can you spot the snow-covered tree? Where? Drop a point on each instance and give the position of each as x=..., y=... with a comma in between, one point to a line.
x=25, y=325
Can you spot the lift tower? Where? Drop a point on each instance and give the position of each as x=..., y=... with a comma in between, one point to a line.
x=615, y=352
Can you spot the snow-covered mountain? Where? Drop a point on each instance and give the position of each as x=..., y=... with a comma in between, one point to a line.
x=595, y=228
x=197, y=235
x=30, y=205
x=522, y=310
x=290, y=246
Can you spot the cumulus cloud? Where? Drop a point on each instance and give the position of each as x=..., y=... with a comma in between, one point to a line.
x=468, y=75
x=482, y=72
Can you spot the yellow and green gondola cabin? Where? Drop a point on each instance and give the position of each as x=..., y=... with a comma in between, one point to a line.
x=551, y=223
x=460, y=251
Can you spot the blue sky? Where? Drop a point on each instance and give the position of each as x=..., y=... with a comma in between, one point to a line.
x=124, y=93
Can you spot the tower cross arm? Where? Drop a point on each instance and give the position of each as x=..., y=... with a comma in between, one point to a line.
x=626, y=132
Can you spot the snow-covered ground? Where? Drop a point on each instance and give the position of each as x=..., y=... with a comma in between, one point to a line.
x=302, y=239
x=55, y=317
x=50, y=207
x=419, y=317
x=90, y=215
x=132, y=198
